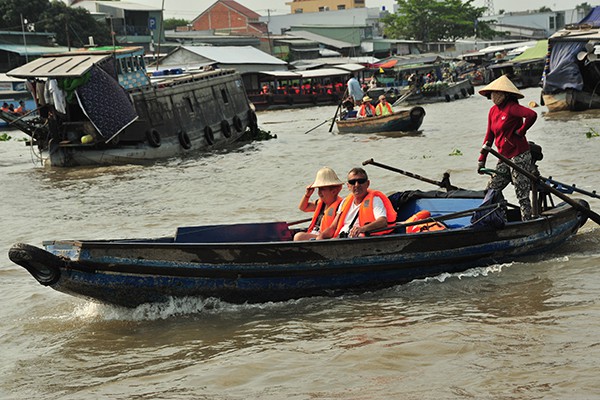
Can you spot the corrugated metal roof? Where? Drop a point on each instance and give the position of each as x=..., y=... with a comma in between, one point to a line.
x=58, y=67
x=32, y=50
x=281, y=74
x=234, y=54
x=338, y=44
x=351, y=67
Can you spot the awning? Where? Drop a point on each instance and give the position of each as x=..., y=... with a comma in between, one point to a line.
x=32, y=50
x=58, y=67
x=387, y=64
x=351, y=67
x=323, y=72
x=281, y=74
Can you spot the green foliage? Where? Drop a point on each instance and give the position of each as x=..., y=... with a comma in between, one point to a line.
x=259, y=135
x=456, y=152
x=72, y=25
x=544, y=9
x=586, y=7
x=433, y=20
x=5, y=137
x=591, y=133
x=172, y=23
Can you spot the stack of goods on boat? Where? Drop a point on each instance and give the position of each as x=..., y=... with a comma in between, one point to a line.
x=97, y=106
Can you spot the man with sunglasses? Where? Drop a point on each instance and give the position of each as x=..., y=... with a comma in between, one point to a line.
x=363, y=211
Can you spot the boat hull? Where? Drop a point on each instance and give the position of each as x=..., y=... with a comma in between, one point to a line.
x=454, y=91
x=400, y=121
x=132, y=272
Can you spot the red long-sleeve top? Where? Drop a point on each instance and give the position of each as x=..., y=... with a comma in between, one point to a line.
x=507, y=125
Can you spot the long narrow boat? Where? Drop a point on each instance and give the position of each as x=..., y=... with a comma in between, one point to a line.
x=97, y=106
x=437, y=92
x=400, y=121
x=257, y=262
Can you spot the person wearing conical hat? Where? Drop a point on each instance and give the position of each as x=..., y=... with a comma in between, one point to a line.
x=324, y=209
x=508, y=122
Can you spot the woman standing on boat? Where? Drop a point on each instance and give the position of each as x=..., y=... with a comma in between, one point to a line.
x=508, y=122
x=324, y=209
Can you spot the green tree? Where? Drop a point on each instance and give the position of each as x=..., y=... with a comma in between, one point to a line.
x=544, y=9
x=172, y=23
x=72, y=25
x=585, y=7
x=433, y=20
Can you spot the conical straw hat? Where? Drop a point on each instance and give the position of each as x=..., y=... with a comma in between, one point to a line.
x=326, y=177
x=502, y=84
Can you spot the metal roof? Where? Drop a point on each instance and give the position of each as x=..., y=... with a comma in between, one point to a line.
x=58, y=67
x=234, y=54
x=323, y=72
x=281, y=74
x=338, y=44
x=32, y=50
x=351, y=67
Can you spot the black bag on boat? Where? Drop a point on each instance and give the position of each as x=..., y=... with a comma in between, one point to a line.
x=492, y=217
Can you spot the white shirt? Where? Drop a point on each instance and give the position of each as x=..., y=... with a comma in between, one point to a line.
x=378, y=211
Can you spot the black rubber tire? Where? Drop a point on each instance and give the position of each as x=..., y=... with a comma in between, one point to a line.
x=226, y=128
x=153, y=138
x=184, y=140
x=209, y=135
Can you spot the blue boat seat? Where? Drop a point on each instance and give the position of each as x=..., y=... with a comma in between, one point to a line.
x=438, y=207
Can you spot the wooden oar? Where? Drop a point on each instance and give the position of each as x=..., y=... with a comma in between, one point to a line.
x=445, y=183
x=337, y=110
x=310, y=130
x=541, y=181
x=571, y=188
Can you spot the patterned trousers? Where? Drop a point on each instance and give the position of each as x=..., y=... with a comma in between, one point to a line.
x=522, y=184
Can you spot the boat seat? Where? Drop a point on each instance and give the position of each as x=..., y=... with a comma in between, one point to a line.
x=438, y=207
x=234, y=233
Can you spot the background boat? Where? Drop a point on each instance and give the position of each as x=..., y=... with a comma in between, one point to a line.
x=400, y=121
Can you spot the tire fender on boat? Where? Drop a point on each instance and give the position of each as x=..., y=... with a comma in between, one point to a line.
x=417, y=113
x=447, y=98
x=208, y=135
x=237, y=123
x=42, y=265
x=226, y=128
x=153, y=138
x=252, y=122
x=184, y=140
x=463, y=91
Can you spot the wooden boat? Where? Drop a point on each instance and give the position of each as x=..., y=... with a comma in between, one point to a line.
x=437, y=92
x=13, y=90
x=257, y=262
x=399, y=121
x=105, y=110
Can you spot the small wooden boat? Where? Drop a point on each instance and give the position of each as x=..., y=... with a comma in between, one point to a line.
x=400, y=121
x=257, y=262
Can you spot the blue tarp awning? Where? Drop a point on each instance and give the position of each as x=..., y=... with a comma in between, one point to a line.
x=593, y=17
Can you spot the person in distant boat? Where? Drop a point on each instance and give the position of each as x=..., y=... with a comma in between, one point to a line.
x=21, y=109
x=383, y=107
x=362, y=211
x=325, y=207
x=354, y=90
x=349, y=111
x=4, y=107
x=366, y=108
x=508, y=122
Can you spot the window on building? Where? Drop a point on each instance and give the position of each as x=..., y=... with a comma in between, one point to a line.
x=552, y=22
x=321, y=9
x=341, y=7
x=298, y=11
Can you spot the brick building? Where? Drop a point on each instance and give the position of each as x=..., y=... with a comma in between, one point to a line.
x=229, y=17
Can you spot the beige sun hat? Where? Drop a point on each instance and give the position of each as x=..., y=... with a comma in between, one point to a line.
x=502, y=84
x=326, y=177
x=367, y=98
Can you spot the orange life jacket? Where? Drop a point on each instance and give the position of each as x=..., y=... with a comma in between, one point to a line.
x=428, y=226
x=365, y=211
x=363, y=112
x=328, y=215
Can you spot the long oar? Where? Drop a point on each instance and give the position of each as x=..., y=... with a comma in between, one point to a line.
x=337, y=110
x=541, y=181
x=312, y=129
x=401, y=99
x=444, y=183
x=571, y=188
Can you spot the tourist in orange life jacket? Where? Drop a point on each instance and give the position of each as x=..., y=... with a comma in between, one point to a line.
x=325, y=208
x=383, y=107
x=4, y=107
x=363, y=211
x=366, y=108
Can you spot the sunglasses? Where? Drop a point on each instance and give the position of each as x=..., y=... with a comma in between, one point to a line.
x=360, y=181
